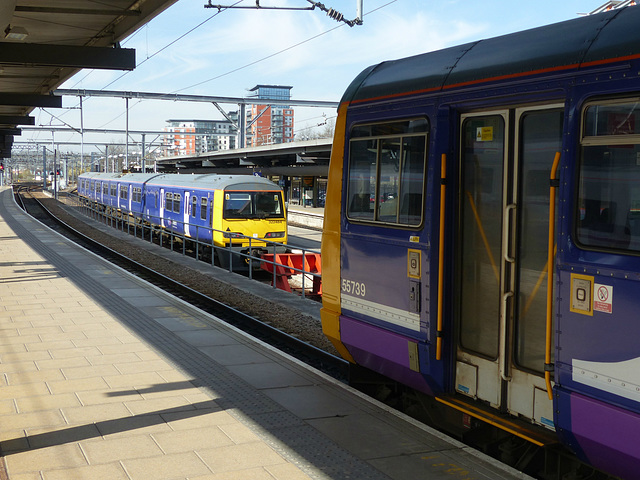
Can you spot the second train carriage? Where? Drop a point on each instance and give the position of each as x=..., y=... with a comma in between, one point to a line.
x=439, y=237
x=240, y=212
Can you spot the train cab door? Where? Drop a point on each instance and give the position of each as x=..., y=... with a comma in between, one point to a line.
x=501, y=266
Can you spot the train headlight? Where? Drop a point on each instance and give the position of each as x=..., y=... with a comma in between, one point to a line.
x=232, y=235
x=275, y=235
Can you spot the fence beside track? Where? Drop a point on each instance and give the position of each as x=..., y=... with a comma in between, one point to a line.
x=237, y=261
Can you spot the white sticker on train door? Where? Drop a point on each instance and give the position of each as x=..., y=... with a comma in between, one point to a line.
x=603, y=298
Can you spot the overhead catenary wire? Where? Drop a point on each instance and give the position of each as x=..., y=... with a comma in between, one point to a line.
x=276, y=53
x=230, y=71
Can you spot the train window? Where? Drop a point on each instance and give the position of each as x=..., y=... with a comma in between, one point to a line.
x=177, y=200
x=539, y=138
x=194, y=206
x=612, y=119
x=203, y=208
x=168, y=206
x=362, y=179
x=253, y=205
x=609, y=178
x=124, y=192
x=268, y=204
x=387, y=171
x=114, y=190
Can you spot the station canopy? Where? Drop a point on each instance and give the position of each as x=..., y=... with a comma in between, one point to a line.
x=43, y=44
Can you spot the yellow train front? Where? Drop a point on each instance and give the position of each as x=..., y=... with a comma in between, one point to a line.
x=248, y=220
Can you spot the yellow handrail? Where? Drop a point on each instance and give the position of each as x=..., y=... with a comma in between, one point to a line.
x=534, y=292
x=443, y=188
x=553, y=185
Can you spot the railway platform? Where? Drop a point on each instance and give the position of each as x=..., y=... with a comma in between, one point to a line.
x=311, y=217
x=106, y=377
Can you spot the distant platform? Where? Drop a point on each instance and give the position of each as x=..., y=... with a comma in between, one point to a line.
x=306, y=217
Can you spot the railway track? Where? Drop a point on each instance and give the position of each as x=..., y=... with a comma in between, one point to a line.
x=314, y=356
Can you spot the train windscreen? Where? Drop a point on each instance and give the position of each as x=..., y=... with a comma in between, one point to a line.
x=246, y=205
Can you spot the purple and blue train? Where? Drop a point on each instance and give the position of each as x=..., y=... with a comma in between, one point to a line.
x=482, y=233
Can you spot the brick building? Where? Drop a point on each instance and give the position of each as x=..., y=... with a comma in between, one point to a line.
x=270, y=124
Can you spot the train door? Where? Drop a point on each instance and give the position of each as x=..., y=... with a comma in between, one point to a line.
x=186, y=221
x=162, y=206
x=505, y=164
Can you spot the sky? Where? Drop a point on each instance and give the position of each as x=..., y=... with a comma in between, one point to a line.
x=190, y=49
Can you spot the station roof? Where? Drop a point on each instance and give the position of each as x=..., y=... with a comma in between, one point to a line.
x=305, y=158
x=43, y=44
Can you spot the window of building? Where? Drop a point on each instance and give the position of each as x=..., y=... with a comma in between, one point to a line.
x=387, y=168
x=608, y=209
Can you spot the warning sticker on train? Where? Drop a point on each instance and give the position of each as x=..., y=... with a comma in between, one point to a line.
x=484, y=134
x=603, y=298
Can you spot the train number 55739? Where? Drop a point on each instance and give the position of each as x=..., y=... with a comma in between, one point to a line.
x=354, y=288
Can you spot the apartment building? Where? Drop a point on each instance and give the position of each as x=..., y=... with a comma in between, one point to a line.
x=192, y=137
x=270, y=123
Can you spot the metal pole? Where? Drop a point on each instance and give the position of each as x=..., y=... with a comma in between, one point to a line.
x=243, y=125
x=126, y=147
x=44, y=167
x=106, y=159
x=55, y=176
x=142, y=157
x=81, y=137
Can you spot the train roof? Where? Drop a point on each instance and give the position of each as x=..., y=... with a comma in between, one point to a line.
x=214, y=181
x=565, y=46
x=207, y=180
x=100, y=176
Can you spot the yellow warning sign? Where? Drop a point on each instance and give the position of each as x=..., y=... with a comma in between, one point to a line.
x=484, y=134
